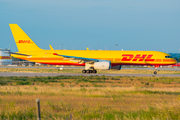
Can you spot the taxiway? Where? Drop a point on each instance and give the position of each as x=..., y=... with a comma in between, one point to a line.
x=8, y=74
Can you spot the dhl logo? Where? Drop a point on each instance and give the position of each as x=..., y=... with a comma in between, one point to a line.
x=5, y=57
x=138, y=57
x=24, y=41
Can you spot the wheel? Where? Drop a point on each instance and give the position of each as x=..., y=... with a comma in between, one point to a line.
x=94, y=71
x=155, y=72
x=88, y=71
x=84, y=71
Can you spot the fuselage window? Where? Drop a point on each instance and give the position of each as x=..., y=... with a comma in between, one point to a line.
x=168, y=56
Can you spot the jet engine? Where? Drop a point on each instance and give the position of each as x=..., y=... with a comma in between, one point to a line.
x=102, y=65
x=98, y=65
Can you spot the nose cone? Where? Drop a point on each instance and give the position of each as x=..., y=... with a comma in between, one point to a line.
x=174, y=61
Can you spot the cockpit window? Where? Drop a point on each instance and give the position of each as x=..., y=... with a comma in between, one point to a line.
x=168, y=56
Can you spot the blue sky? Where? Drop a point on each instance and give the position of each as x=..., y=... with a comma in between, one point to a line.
x=132, y=24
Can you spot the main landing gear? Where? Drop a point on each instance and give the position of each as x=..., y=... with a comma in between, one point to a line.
x=89, y=71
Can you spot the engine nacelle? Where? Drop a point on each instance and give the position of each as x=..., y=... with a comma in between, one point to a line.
x=98, y=65
x=117, y=67
x=102, y=65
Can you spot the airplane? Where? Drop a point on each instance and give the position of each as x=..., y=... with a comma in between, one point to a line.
x=93, y=60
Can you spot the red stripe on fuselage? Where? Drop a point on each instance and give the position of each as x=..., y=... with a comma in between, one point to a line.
x=76, y=64
x=112, y=64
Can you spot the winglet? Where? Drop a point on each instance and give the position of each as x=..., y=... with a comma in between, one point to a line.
x=87, y=48
x=54, y=52
x=51, y=48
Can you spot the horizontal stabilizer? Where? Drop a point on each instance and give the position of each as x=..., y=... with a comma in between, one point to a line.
x=18, y=54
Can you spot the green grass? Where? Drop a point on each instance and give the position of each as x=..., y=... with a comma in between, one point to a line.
x=99, y=113
x=90, y=97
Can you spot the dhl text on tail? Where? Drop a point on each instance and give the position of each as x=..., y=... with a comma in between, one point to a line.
x=91, y=59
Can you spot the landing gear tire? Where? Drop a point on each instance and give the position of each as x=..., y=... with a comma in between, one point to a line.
x=94, y=71
x=89, y=71
x=155, y=71
x=84, y=71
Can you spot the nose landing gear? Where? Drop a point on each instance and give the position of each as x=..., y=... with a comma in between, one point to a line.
x=155, y=71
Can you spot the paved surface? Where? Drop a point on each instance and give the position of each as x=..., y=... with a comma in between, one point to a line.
x=164, y=68
x=66, y=67
x=5, y=74
x=41, y=67
x=78, y=74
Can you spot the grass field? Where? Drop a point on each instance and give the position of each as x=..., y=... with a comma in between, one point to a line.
x=93, y=97
x=56, y=70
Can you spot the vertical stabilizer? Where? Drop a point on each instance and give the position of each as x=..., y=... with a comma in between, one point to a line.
x=23, y=41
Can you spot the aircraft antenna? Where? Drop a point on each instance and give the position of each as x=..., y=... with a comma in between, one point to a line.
x=116, y=46
x=97, y=44
x=61, y=46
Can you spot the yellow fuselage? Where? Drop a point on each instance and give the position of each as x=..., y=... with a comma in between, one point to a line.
x=116, y=57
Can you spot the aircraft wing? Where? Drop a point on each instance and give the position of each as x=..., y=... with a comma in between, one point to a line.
x=74, y=58
x=82, y=59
